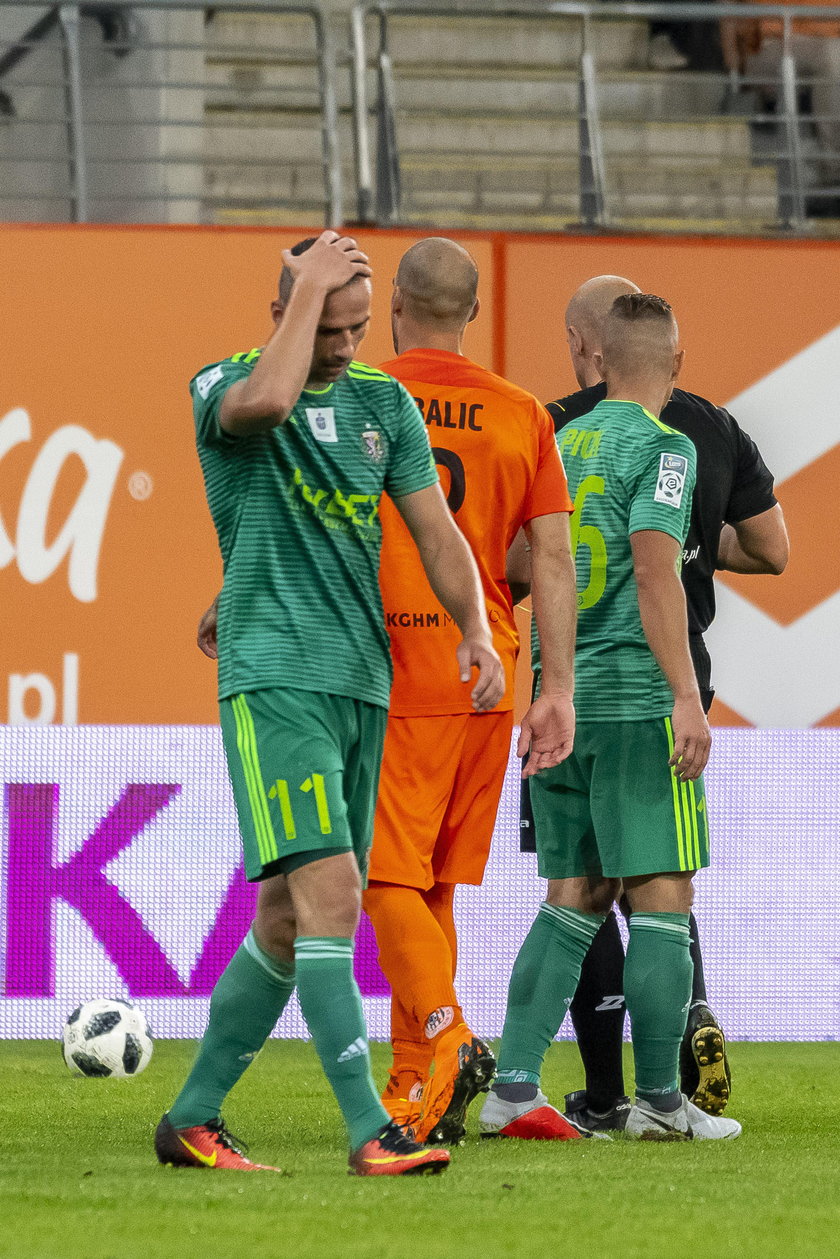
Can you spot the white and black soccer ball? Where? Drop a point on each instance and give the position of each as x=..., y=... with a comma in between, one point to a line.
x=107, y=1038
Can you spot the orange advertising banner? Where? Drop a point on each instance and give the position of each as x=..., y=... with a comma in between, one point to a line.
x=107, y=551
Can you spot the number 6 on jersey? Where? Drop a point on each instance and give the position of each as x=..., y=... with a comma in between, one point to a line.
x=590, y=537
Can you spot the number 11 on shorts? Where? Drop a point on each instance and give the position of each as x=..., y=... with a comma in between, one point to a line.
x=315, y=783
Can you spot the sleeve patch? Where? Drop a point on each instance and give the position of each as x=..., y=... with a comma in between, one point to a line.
x=205, y=382
x=673, y=470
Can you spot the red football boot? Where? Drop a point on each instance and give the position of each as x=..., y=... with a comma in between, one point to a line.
x=206, y=1145
x=391, y=1153
x=533, y=1120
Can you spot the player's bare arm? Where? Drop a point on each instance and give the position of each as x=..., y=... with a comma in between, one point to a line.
x=665, y=623
x=757, y=545
x=518, y=568
x=453, y=576
x=548, y=727
x=207, y=627
x=265, y=400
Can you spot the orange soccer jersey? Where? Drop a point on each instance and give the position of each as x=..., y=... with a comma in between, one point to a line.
x=495, y=449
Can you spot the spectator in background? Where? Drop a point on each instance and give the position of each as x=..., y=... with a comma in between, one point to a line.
x=678, y=45
x=754, y=48
x=663, y=53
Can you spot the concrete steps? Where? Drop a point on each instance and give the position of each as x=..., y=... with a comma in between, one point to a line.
x=547, y=133
x=276, y=82
x=293, y=185
x=466, y=42
x=255, y=35
x=461, y=42
x=527, y=188
x=282, y=135
x=509, y=188
x=735, y=225
x=621, y=93
x=487, y=125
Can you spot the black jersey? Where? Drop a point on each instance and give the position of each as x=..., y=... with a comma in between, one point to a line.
x=733, y=484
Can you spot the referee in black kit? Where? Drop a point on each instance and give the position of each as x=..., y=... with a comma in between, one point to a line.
x=736, y=525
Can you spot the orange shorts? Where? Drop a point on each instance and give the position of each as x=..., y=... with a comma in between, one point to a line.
x=438, y=797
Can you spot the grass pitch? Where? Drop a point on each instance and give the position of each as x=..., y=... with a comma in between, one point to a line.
x=78, y=1175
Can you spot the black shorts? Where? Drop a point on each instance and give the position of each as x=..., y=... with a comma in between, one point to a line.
x=702, y=662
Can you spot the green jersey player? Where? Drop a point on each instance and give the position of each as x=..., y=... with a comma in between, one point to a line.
x=628, y=806
x=297, y=443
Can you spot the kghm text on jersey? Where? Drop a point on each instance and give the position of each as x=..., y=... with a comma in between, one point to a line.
x=443, y=413
x=418, y=620
x=580, y=441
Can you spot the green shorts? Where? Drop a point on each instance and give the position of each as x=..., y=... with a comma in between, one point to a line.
x=615, y=808
x=304, y=768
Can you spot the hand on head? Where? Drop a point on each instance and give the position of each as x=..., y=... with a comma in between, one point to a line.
x=331, y=261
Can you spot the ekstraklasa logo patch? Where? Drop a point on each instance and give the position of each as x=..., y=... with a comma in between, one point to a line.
x=207, y=380
x=673, y=470
x=322, y=423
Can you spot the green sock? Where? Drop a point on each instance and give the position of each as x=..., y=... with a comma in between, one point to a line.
x=545, y=976
x=331, y=1004
x=251, y=994
x=657, y=989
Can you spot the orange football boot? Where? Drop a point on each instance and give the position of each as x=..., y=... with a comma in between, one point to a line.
x=464, y=1067
x=405, y=1111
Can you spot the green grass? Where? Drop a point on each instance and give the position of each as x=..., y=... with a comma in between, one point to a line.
x=78, y=1176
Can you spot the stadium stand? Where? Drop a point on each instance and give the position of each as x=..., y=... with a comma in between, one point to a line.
x=472, y=116
x=502, y=142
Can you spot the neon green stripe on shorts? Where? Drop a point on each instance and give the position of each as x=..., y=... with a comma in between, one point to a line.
x=246, y=743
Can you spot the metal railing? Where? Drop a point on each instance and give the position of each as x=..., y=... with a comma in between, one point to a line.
x=381, y=183
x=114, y=111
x=171, y=111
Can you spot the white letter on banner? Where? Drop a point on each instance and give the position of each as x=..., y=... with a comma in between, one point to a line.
x=83, y=530
x=19, y=684
x=70, y=689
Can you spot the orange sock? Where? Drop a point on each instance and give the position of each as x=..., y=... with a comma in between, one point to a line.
x=412, y=1055
x=440, y=898
x=416, y=957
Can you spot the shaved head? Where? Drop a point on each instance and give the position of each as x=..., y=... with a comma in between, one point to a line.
x=593, y=301
x=585, y=316
x=438, y=282
x=639, y=337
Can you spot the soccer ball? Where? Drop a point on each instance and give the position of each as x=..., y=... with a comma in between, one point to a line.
x=105, y=1037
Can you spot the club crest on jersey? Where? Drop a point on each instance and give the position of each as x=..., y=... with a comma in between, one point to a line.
x=373, y=445
x=673, y=470
x=322, y=423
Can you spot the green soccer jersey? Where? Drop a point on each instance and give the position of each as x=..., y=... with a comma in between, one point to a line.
x=627, y=471
x=296, y=511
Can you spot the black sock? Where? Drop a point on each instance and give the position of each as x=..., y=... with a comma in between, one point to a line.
x=516, y=1092
x=598, y=1017
x=698, y=983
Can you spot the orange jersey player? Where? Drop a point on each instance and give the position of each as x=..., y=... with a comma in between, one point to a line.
x=444, y=764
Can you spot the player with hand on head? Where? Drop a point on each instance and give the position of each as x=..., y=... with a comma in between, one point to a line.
x=628, y=806
x=443, y=763
x=297, y=443
x=736, y=525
